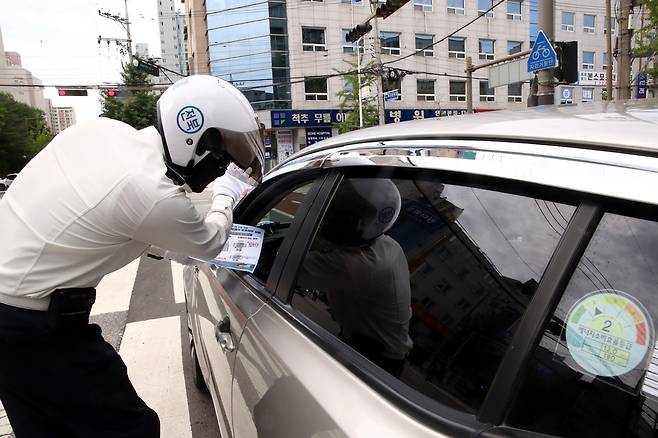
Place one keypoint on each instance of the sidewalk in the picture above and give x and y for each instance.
(5, 428)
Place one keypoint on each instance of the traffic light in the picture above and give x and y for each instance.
(146, 67)
(71, 92)
(389, 7)
(567, 57)
(112, 92)
(358, 31)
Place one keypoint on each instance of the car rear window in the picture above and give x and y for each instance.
(595, 371)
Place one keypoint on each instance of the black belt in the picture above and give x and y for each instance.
(70, 308)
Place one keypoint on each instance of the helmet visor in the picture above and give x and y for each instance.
(246, 149)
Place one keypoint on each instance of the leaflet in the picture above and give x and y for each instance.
(241, 250)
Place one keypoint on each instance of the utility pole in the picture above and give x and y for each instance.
(358, 76)
(608, 47)
(546, 22)
(126, 26)
(378, 65)
(624, 61)
(469, 84)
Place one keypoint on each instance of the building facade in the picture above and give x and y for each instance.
(195, 36)
(61, 117)
(287, 57)
(173, 49)
(19, 82)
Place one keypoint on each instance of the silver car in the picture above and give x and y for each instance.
(487, 275)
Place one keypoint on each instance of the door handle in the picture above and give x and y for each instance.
(223, 335)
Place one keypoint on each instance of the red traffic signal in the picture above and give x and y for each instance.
(71, 92)
(112, 92)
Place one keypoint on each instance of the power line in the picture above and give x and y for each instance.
(481, 14)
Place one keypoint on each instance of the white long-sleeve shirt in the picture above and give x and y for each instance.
(92, 201)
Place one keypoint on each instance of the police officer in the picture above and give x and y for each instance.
(92, 201)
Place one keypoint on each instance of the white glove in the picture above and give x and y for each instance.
(235, 183)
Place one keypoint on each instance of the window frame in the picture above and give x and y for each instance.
(389, 50)
(516, 98)
(515, 16)
(456, 10)
(589, 29)
(423, 7)
(314, 47)
(486, 97)
(568, 27)
(456, 53)
(453, 97)
(486, 55)
(587, 65)
(424, 52)
(316, 96)
(484, 12)
(424, 97)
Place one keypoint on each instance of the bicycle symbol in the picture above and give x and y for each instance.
(541, 51)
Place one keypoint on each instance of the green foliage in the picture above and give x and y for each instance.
(349, 99)
(23, 133)
(646, 39)
(138, 108)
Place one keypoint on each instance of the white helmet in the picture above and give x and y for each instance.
(362, 210)
(205, 123)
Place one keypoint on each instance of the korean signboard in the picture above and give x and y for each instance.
(305, 118)
(314, 135)
(641, 92)
(402, 115)
(597, 78)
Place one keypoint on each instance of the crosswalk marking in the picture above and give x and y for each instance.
(115, 289)
(155, 366)
(177, 277)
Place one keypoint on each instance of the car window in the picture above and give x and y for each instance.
(276, 223)
(435, 299)
(588, 376)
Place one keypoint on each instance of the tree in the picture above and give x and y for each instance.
(23, 133)
(135, 106)
(349, 99)
(646, 38)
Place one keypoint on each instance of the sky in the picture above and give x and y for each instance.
(58, 42)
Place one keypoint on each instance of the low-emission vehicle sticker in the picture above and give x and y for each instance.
(608, 332)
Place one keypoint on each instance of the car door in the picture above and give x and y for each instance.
(224, 300)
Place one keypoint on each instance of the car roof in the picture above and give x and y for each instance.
(622, 126)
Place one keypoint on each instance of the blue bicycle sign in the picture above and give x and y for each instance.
(543, 55)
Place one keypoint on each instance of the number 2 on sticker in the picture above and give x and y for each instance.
(606, 327)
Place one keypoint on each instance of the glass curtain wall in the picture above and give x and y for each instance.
(248, 46)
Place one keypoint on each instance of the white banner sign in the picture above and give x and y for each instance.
(596, 78)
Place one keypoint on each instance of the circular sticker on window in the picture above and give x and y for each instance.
(608, 332)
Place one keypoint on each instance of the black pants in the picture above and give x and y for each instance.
(71, 385)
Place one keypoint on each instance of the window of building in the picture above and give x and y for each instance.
(514, 47)
(588, 94)
(390, 42)
(423, 41)
(349, 47)
(604, 61)
(456, 7)
(487, 49)
(589, 23)
(487, 94)
(423, 5)
(425, 90)
(313, 39)
(456, 47)
(515, 92)
(457, 91)
(354, 2)
(566, 95)
(514, 10)
(595, 363)
(568, 20)
(484, 6)
(456, 270)
(613, 25)
(393, 84)
(588, 60)
(315, 89)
